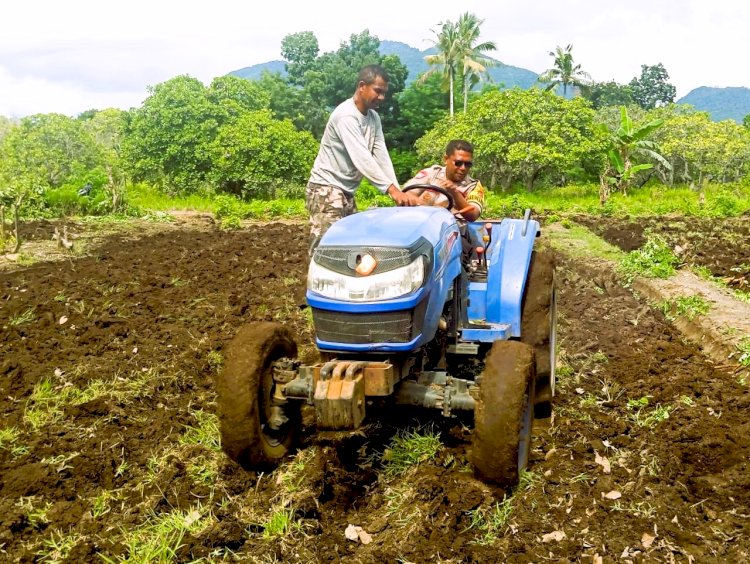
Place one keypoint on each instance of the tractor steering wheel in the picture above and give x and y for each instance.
(439, 189)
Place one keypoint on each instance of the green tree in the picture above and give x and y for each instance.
(519, 135)
(746, 121)
(626, 144)
(294, 103)
(233, 96)
(564, 71)
(253, 155)
(652, 90)
(699, 149)
(420, 105)
(603, 94)
(6, 124)
(300, 50)
(107, 129)
(472, 54)
(168, 135)
(42, 152)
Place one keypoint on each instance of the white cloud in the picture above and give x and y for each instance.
(71, 56)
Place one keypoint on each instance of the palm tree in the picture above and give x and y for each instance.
(446, 59)
(564, 72)
(475, 61)
(458, 56)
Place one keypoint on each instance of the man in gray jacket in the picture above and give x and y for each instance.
(352, 148)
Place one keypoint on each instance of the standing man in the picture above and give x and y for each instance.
(352, 147)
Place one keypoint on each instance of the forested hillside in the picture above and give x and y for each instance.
(721, 103)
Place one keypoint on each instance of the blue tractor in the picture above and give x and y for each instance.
(402, 312)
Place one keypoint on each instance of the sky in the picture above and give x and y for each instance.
(68, 57)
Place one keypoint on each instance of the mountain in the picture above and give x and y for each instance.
(502, 75)
(721, 103)
(254, 72)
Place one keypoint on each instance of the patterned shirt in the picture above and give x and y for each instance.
(470, 187)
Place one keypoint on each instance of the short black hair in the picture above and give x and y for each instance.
(458, 145)
(369, 73)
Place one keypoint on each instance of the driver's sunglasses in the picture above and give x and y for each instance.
(467, 164)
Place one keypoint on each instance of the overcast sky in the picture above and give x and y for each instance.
(71, 56)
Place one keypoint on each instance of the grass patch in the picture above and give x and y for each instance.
(653, 260)
(9, 441)
(410, 448)
(205, 434)
(643, 417)
(159, 539)
(491, 522)
(57, 547)
(744, 349)
(27, 316)
(691, 307)
(280, 524)
(579, 242)
(49, 398)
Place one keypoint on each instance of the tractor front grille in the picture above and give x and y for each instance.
(363, 328)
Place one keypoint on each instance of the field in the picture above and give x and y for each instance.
(109, 449)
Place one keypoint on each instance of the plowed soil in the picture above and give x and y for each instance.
(107, 364)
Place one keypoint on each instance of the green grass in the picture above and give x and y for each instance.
(744, 349)
(653, 260)
(9, 441)
(205, 433)
(691, 307)
(160, 537)
(579, 242)
(27, 316)
(490, 522)
(643, 417)
(410, 448)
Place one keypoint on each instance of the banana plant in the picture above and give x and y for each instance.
(626, 144)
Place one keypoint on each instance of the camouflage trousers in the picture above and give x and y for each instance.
(326, 205)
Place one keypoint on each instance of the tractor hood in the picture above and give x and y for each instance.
(390, 227)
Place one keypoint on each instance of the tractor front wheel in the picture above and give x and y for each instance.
(504, 413)
(256, 430)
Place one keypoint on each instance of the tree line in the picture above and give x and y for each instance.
(258, 138)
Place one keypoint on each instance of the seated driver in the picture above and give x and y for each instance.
(467, 192)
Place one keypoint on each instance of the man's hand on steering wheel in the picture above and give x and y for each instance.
(402, 197)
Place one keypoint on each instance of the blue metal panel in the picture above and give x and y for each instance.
(496, 332)
(389, 227)
(509, 259)
(477, 301)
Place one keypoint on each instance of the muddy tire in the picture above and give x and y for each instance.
(504, 413)
(539, 327)
(244, 387)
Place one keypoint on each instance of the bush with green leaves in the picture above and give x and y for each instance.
(654, 259)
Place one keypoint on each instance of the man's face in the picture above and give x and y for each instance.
(373, 94)
(458, 172)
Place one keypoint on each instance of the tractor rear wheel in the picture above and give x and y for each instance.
(255, 432)
(504, 413)
(539, 327)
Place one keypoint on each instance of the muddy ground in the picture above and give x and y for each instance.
(106, 378)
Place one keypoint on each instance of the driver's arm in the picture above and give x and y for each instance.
(470, 211)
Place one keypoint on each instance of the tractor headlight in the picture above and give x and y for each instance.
(384, 286)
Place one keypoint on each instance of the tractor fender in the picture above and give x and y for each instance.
(510, 257)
